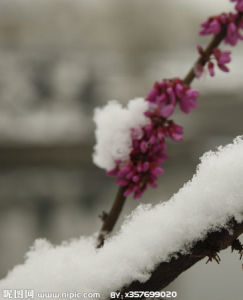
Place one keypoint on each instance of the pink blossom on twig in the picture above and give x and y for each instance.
(214, 25)
(149, 144)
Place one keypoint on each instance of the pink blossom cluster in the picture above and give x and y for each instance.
(143, 167)
(149, 144)
(214, 25)
(232, 24)
(167, 94)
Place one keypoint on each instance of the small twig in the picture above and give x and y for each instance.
(203, 59)
(111, 218)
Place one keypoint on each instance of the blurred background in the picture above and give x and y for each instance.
(61, 58)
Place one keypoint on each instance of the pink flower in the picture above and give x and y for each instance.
(167, 94)
(167, 110)
(198, 71)
(188, 100)
(211, 68)
(211, 26)
(173, 131)
(238, 5)
(214, 25)
(233, 34)
(222, 58)
(143, 167)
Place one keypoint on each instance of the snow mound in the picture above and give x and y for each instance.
(152, 234)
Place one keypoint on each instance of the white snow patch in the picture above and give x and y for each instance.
(149, 236)
(113, 130)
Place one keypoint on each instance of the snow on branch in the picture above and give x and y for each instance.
(155, 244)
(166, 272)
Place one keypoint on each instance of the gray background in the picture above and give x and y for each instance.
(61, 58)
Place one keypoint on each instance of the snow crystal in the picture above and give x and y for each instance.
(113, 131)
(152, 234)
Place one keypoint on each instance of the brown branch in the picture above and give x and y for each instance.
(166, 272)
(203, 59)
(109, 220)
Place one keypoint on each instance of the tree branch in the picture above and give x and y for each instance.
(166, 272)
(109, 220)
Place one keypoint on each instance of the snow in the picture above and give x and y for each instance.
(151, 234)
(113, 130)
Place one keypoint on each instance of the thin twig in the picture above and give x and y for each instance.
(110, 219)
(203, 59)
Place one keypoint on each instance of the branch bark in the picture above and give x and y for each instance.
(166, 272)
(109, 220)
